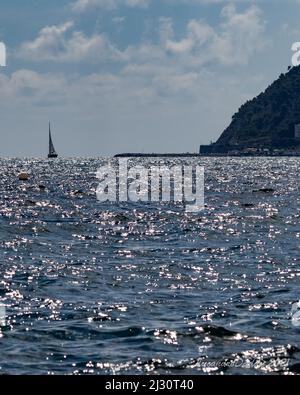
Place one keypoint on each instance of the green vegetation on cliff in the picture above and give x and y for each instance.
(269, 120)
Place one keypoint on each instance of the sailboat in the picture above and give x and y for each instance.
(52, 152)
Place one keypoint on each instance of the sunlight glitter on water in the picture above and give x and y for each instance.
(96, 288)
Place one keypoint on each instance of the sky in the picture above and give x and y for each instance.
(117, 76)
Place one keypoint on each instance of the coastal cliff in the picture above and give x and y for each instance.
(265, 123)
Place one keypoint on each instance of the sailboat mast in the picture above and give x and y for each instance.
(52, 152)
(49, 138)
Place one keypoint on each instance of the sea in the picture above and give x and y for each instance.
(91, 288)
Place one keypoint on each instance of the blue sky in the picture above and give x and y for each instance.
(135, 75)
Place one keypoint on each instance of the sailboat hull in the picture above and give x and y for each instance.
(54, 156)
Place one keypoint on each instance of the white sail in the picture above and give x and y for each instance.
(52, 152)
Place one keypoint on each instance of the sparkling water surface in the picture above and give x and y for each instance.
(146, 288)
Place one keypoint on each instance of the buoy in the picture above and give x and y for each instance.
(23, 176)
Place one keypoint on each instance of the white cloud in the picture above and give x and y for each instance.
(238, 37)
(83, 5)
(60, 43)
(234, 41)
(242, 35)
(165, 68)
(198, 33)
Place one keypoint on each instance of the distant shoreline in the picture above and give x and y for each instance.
(157, 155)
(191, 155)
